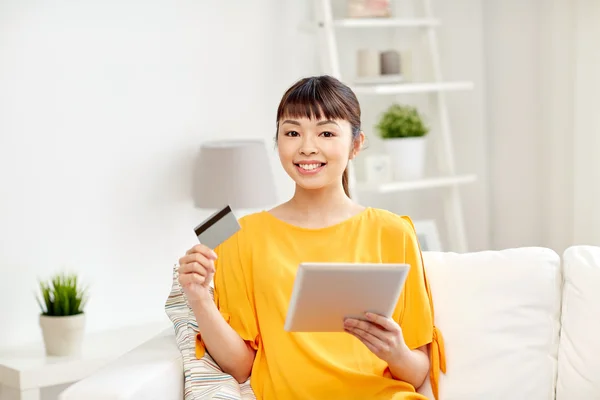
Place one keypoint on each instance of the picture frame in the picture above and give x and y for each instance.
(378, 168)
(428, 235)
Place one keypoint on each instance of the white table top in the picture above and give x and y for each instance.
(28, 367)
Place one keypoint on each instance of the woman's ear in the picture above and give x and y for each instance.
(357, 144)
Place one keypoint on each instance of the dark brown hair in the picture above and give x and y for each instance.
(319, 97)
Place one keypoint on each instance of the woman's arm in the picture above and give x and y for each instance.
(224, 344)
(411, 367)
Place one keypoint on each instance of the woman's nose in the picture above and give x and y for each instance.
(307, 147)
(308, 151)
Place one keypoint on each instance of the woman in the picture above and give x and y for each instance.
(318, 132)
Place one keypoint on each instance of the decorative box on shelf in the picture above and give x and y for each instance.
(369, 9)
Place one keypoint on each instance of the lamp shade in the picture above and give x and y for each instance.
(234, 172)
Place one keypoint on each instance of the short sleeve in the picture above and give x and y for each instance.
(417, 316)
(233, 291)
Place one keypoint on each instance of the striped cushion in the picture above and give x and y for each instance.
(203, 379)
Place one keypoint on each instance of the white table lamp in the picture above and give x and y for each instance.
(234, 172)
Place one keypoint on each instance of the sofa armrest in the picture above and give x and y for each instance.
(153, 370)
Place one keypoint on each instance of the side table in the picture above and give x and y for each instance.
(27, 369)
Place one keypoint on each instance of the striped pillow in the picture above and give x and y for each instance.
(203, 379)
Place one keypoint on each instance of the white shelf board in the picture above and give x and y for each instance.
(394, 79)
(385, 22)
(427, 183)
(420, 87)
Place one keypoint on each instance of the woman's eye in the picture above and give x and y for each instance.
(292, 133)
(327, 134)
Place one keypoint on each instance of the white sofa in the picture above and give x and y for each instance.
(518, 324)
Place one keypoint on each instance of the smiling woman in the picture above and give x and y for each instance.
(376, 358)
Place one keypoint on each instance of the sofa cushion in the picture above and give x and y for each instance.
(498, 312)
(203, 378)
(579, 351)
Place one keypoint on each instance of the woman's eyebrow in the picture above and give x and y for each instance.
(292, 122)
(327, 122)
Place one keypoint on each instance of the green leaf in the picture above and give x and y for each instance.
(401, 121)
(62, 295)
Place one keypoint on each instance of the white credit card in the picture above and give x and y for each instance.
(217, 228)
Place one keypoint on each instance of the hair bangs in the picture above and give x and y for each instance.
(314, 99)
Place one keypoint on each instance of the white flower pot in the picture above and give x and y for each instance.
(63, 336)
(407, 157)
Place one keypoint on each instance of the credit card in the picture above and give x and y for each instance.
(217, 228)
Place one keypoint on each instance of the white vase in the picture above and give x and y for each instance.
(63, 336)
(407, 157)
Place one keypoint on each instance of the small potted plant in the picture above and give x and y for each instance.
(403, 132)
(62, 318)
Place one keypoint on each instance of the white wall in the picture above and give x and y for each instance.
(512, 41)
(542, 61)
(557, 66)
(586, 143)
(102, 108)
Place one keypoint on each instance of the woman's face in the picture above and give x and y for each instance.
(315, 153)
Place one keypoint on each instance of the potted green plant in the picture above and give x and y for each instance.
(62, 318)
(403, 131)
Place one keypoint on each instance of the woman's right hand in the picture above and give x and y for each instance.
(196, 271)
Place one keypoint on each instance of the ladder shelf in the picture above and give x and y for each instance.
(448, 179)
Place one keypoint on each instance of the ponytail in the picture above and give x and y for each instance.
(345, 182)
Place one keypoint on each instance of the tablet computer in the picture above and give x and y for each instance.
(324, 294)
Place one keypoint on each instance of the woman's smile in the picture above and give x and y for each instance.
(310, 167)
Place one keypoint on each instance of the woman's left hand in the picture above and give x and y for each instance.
(382, 335)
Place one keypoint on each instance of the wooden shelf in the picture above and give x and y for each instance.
(428, 183)
(385, 22)
(420, 87)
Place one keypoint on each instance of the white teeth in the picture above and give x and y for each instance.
(309, 167)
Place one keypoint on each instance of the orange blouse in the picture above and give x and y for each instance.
(254, 277)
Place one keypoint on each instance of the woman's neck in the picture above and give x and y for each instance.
(324, 199)
(317, 208)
